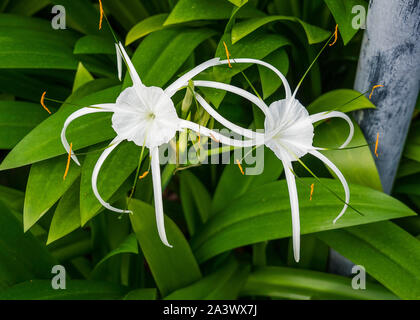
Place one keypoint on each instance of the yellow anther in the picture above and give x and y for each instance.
(335, 36)
(240, 167)
(373, 88)
(227, 54)
(144, 175)
(312, 192)
(68, 163)
(376, 145)
(43, 103)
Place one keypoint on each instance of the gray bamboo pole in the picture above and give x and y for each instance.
(390, 56)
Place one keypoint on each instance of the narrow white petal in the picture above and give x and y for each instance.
(340, 176)
(267, 65)
(335, 114)
(157, 191)
(183, 80)
(119, 61)
(75, 115)
(240, 92)
(95, 174)
(235, 128)
(133, 73)
(184, 124)
(294, 205)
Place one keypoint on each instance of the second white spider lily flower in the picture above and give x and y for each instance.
(289, 132)
(147, 117)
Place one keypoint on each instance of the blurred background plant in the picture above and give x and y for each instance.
(231, 233)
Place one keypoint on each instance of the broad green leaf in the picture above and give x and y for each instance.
(94, 45)
(263, 213)
(408, 167)
(45, 186)
(223, 284)
(115, 170)
(129, 245)
(67, 214)
(82, 77)
(143, 28)
(342, 12)
(192, 10)
(44, 141)
(162, 53)
(82, 16)
(126, 12)
(412, 146)
(75, 290)
(288, 283)
(22, 22)
(238, 3)
(172, 268)
(233, 184)
(270, 82)
(20, 49)
(313, 33)
(387, 252)
(195, 200)
(344, 100)
(22, 256)
(141, 294)
(12, 198)
(26, 7)
(16, 120)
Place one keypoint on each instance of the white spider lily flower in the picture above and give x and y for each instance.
(146, 116)
(289, 132)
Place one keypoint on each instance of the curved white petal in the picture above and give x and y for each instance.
(240, 92)
(340, 176)
(335, 114)
(77, 114)
(235, 128)
(183, 81)
(294, 205)
(157, 191)
(133, 73)
(114, 143)
(119, 61)
(184, 124)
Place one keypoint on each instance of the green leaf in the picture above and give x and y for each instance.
(223, 284)
(67, 215)
(115, 170)
(126, 12)
(162, 53)
(146, 26)
(82, 77)
(192, 10)
(384, 250)
(263, 213)
(341, 10)
(288, 283)
(238, 3)
(94, 45)
(16, 120)
(344, 100)
(26, 7)
(141, 294)
(233, 184)
(412, 146)
(129, 245)
(45, 186)
(44, 141)
(270, 82)
(12, 198)
(75, 290)
(172, 268)
(313, 33)
(22, 256)
(195, 200)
